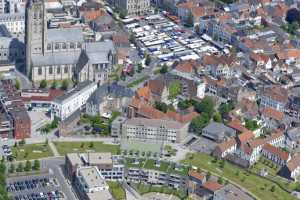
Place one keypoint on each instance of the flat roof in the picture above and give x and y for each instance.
(91, 177)
(92, 158)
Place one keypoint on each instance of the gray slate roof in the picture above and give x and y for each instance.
(65, 35)
(55, 58)
(113, 90)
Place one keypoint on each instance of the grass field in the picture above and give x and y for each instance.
(255, 184)
(64, 148)
(116, 190)
(137, 81)
(31, 151)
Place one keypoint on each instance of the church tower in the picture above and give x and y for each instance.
(36, 31)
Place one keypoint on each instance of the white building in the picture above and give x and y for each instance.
(15, 23)
(111, 167)
(91, 185)
(64, 106)
(133, 7)
(155, 130)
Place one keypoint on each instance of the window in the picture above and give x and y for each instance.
(72, 45)
(64, 46)
(39, 71)
(78, 45)
(56, 46)
(50, 70)
(58, 70)
(66, 69)
(48, 46)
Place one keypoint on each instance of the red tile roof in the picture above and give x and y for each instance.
(237, 125)
(226, 145)
(196, 175)
(212, 186)
(294, 163)
(246, 136)
(276, 151)
(272, 113)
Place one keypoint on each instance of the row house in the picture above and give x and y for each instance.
(275, 97)
(246, 148)
(292, 169)
(195, 181)
(173, 178)
(219, 66)
(275, 154)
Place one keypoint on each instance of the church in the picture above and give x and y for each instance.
(58, 54)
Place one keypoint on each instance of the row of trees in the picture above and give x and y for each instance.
(27, 167)
(64, 85)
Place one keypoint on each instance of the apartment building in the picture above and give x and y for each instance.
(15, 23)
(133, 7)
(157, 172)
(64, 106)
(91, 185)
(154, 130)
(13, 112)
(111, 167)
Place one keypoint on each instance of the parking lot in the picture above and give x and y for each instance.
(51, 185)
(41, 187)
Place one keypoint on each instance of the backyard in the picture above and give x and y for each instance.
(64, 148)
(260, 187)
(31, 151)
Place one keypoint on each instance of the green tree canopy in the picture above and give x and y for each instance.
(205, 106)
(43, 84)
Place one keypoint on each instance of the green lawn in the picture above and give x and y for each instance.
(272, 173)
(257, 185)
(137, 81)
(116, 190)
(31, 151)
(64, 148)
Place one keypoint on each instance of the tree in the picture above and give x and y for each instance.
(163, 69)
(43, 84)
(225, 108)
(20, 167)
(199, 123)
(251, 124)
(148, 60)
(184, 104)
(36, 165)
(54, 84)
(22, 142)
(205, 106)
(91, 145)
(18, 84)
(293, 15)
(174, 89)
(139, 68)
(190, 20)
(12, 168)
(221, 180)
(217, 117)
(273, 188)
(65, 84)
(161, 106)
(208, 175)
(122, 13)
(28, 166)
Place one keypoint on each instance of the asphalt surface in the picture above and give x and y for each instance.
(54, 169)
